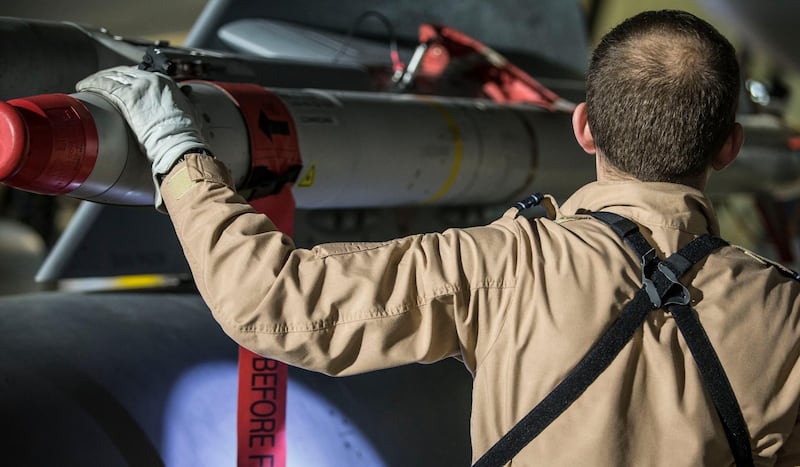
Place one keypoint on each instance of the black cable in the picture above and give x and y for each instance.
(394, 55)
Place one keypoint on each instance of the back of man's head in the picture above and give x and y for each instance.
(661, 95)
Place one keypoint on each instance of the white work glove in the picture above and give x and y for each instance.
(158, 113)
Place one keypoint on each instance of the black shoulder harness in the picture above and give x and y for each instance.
(661, 288)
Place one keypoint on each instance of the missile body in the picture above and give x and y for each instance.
(357, 149)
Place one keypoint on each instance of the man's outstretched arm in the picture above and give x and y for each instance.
(339, 308)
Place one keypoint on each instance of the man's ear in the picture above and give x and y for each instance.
(730, 149)
(580, 127)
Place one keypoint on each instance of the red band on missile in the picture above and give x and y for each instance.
(51, 145)
(274, 147)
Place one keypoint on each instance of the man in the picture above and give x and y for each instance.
(522, 301)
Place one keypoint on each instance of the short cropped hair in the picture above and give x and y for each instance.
(662, 94)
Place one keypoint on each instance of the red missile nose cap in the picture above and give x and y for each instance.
(48, 143)
(13, 139)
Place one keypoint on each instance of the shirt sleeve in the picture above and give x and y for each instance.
(339, 308)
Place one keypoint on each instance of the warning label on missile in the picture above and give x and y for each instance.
(308, 178)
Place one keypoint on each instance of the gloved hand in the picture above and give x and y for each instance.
(160, 115)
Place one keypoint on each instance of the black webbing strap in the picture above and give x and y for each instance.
(628, 231)
(570, 388)
(715, 382)
(676, 300)
(660, 283)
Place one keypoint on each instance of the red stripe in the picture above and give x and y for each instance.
(261, 423)
(262, 411)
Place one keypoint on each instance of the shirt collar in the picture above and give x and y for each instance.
(667, 205)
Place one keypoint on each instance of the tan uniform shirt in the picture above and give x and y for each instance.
(520, 301)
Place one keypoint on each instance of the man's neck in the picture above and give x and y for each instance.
(608, 173)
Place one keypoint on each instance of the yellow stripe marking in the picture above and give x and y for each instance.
(458, 150)
(138, 281)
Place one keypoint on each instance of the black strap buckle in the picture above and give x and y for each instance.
(666, 289)
(660, 281)
(677, 293)
(650, 262)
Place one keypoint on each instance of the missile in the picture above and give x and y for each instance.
(357, 149)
